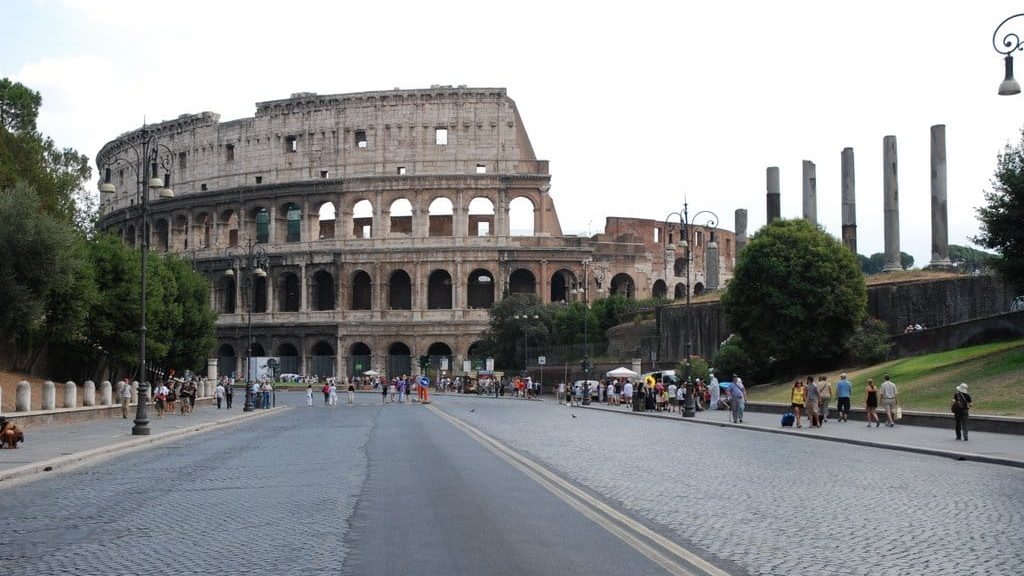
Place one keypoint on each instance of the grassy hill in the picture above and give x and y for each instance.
(994, 373)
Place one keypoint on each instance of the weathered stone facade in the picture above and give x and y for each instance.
(385, 217)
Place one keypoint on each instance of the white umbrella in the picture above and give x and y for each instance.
(371, 373)
(621, 372)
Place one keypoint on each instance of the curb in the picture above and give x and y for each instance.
(954, 455)
(85, 456)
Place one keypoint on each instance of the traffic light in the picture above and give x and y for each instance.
(424, 361)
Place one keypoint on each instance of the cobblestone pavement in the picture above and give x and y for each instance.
(776, 504)
(178, 509)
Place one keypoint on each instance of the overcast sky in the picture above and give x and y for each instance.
(637, 105)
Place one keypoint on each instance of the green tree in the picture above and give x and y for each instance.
(194, 335)
(968, 259)
(1003, 213)
(796, 296)
(504, 338)
(112, 337)
(875, 263)
(19, 107)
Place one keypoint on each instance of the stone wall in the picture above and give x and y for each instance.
(1006, 326)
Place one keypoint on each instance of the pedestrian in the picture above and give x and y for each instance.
(383, 393)
(332, 392)
(218, 393)
(351, 393)
(811, 402)
(824, 397)
(961, 407)
(309, 394)
(680, 398)
(797, 398)
(737, 398)
(160, 399)
(229, 392)
(170, 397)
(561, 392)
(843, 392)
(716, 392)
(890, 400)
(124, 393)
(673, 401)
(267, 389)
(627, 393)
(327, 394)
(871, 402)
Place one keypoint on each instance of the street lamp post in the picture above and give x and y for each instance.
(581, 291)
(1009, 44)
(147, 151)
(526, 318)
(686, 224)
(256, 263)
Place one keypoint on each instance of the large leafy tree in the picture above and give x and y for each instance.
(194, 333)
(1001, 217)
(797, 295)
(504, 339)
(873, 264)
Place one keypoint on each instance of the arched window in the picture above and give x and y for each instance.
(226, 294)
(323, 290)
(322, 360)
(401, 216)
(679, 267)
(439, 290)
(399, 359)
(328, 214)
(562, 282)
(289, 290)
(522, 281)
(362, 295)
(481, 217)
(680, 292)
(362, 219)
(294, 223)
(227, 362)
(229, 228)
(400, 291)
(480, 289)
(259, 294)
(359, 359)
(660, 289)
(289, 359)
(622, 284)
(441, 215)
(520, 217)
(262, 225)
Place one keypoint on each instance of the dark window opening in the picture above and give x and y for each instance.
(324, 174)
(401, 170)
(400, 291)
(229, 152)
(361, 139)
(106, 176)
(263, 226)
(291, 144)
(202, 187)
(259, 179)
(294, 217)
(361, 294)
(182, 160)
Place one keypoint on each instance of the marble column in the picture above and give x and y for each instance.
(891, 206)
(849, 189)
(741, 231)
(940, 222)
(774, 206)
(711, 263)
(810, 188)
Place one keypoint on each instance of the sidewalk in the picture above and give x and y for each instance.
(47, 448)
(990, 447)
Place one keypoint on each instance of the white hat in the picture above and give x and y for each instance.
(962, 388)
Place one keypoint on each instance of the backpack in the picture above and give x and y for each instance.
(959, 403)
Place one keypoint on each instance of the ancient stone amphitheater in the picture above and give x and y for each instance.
(359, 231)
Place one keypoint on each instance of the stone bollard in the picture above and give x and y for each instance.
(106, 394)
(23, 397)
(89, 393)
(70, 394)
(49, 395)
(135, 391)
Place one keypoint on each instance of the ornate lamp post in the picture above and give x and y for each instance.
(149, 157)
(526, 319)
(686, 225)
(580, 290)
(256, 264)
(1010, 43)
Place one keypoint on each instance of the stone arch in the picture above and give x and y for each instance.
(360, 358)
(400, 213)
(439, 290)
(399, 359)
(289, 358)
(481, 217)
(362, 219)
(680, 291)
(562, 283)
(522, 281)
(259, 294)
(321, 356)
(441, 217)
(257, 350)
(290, 226)
(227, 362)
(290, 299)
(521, 216)
(437, 351)
(660, 289)
(179, 234)
(202, 230)
(362, 291)
(622, 284)
(476, 353)
(229, 228)
(679, 268)
(225, 294)
(698, 288)
(400, 290)
(480, 289)
(162, 232)
(260, 217)
(322, 290)
(327, 216)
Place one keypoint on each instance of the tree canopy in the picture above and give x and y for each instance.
(796, 296)
(1001, 217)
(873, 264)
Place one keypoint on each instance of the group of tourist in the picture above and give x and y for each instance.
(814, 398)
(180, 393)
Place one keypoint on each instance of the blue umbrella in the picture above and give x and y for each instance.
(724, 384)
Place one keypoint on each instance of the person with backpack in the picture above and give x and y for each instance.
(961, 407)
(327, 394)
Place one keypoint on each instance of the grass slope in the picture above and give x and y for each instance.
(994, 373)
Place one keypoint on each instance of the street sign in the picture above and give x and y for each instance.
(490, 364)
(424, 381)
(542, 360)
(444, 363)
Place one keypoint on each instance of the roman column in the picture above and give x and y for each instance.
(849, 201)
(891, 206)
(940, 222)
(774, 209)
(810, 186)
(741, 231)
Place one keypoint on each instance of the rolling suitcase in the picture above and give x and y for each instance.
(787, 419)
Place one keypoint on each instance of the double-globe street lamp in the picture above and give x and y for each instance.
(1009, 44)
(580, 291)
(526, 320)
(686, 225)
(149, 157)
(256, 264)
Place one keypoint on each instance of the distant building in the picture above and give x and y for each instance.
(386, 220)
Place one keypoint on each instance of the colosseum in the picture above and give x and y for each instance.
(357, 231)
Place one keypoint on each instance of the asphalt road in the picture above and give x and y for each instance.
(482, 486)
